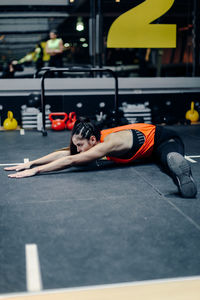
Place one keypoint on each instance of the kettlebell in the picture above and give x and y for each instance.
(71, 121)
(58, 124)
(192, 114)
(10, 123)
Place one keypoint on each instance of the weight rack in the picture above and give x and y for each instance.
(83, 70)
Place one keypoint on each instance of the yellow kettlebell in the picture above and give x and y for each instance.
(10, 123)
(192, 114)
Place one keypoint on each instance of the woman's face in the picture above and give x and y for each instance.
(52, 35)
(82, 144)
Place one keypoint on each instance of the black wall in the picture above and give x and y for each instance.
(165, 107)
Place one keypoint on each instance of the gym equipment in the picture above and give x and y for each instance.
(137, 113)
(1, 108)
(34, 100)
(91, 71)
(58, 124)
(192, 114)
(71, 121)
(32, 117)
(104, 121)
(10, 123)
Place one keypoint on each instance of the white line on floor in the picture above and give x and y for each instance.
(33, 274)
(12, 164)
(190, 159)
(194, 156)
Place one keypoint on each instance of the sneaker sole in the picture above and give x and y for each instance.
(182, 172)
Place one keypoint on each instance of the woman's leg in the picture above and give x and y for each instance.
(170, 156)
(174, 144)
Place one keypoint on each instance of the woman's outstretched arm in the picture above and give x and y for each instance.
(40, 161)
(112, 144)
(96, 152)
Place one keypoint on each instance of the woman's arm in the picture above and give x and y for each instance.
(61, 48)
(98, 151)
(112, 144)
(40, 161)
(49, 50)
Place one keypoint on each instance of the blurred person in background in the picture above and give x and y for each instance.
(38, 58)
(10, 68)
(55, 48)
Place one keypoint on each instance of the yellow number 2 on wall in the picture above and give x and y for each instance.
(133, 29)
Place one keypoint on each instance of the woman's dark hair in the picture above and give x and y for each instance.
(85, 129)
(54, 31)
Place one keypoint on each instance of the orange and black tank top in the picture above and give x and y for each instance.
(148, 130)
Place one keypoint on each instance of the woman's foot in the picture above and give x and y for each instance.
(181, 174)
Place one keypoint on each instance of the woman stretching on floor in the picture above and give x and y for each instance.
(123, 145)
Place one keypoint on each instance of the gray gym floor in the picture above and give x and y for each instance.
(95, 226)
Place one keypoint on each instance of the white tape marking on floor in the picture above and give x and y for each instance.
(22, 131)
(194, 156)
(33, 274)
(13, 164)
(189, 159)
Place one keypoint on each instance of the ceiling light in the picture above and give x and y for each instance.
(79, 25)
(82, 39)
(84, 45)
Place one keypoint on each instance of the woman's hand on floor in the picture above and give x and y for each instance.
(17, 168)
(26, 173)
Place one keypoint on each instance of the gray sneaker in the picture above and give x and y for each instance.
(182, 175)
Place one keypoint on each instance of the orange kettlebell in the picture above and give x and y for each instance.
(58, 124)
(71, 121)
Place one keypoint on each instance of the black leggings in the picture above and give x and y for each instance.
(56, 61)
(166, 141)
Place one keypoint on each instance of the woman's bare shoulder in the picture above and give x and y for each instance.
(121, 140)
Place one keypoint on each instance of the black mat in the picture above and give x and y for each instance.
(111, 225)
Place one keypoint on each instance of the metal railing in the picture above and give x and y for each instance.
(83, 70)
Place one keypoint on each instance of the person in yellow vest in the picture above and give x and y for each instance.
(122, 145)
(54, 47)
